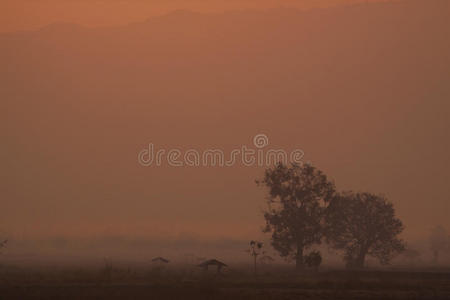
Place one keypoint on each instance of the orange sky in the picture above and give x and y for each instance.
(32, 14)
(362, 90)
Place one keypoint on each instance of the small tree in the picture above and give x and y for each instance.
(298, 195)
(255, 250)
(3, 244)
(438, 241)
(363, 225)
(313, 260)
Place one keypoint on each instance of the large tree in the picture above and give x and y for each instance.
(362, 225)
(298, 195)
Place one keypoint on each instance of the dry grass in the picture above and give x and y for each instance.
(109, 282)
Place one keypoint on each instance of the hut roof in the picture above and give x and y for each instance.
(161, 259)
(213, 262)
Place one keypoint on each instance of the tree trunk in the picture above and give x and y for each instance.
(359, 263)
(299, 264)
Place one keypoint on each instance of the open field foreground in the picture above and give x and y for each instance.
(138, 284)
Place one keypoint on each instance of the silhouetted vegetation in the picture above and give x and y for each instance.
(297, 199)
(304, 207)
(3, 243)
(363, 224)
(255, 251)
(313, 260)
(439, 242)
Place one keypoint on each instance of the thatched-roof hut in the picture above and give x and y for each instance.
(160, 259)
(212, 262)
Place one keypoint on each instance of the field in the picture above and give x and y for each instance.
(135, 283)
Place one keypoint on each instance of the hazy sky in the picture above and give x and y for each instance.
(362, 90)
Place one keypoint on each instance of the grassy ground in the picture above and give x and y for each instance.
(110, 283)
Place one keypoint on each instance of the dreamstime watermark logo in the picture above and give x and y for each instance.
(247, 156)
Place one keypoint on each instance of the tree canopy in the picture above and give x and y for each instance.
(363, 224)
(298, 195)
